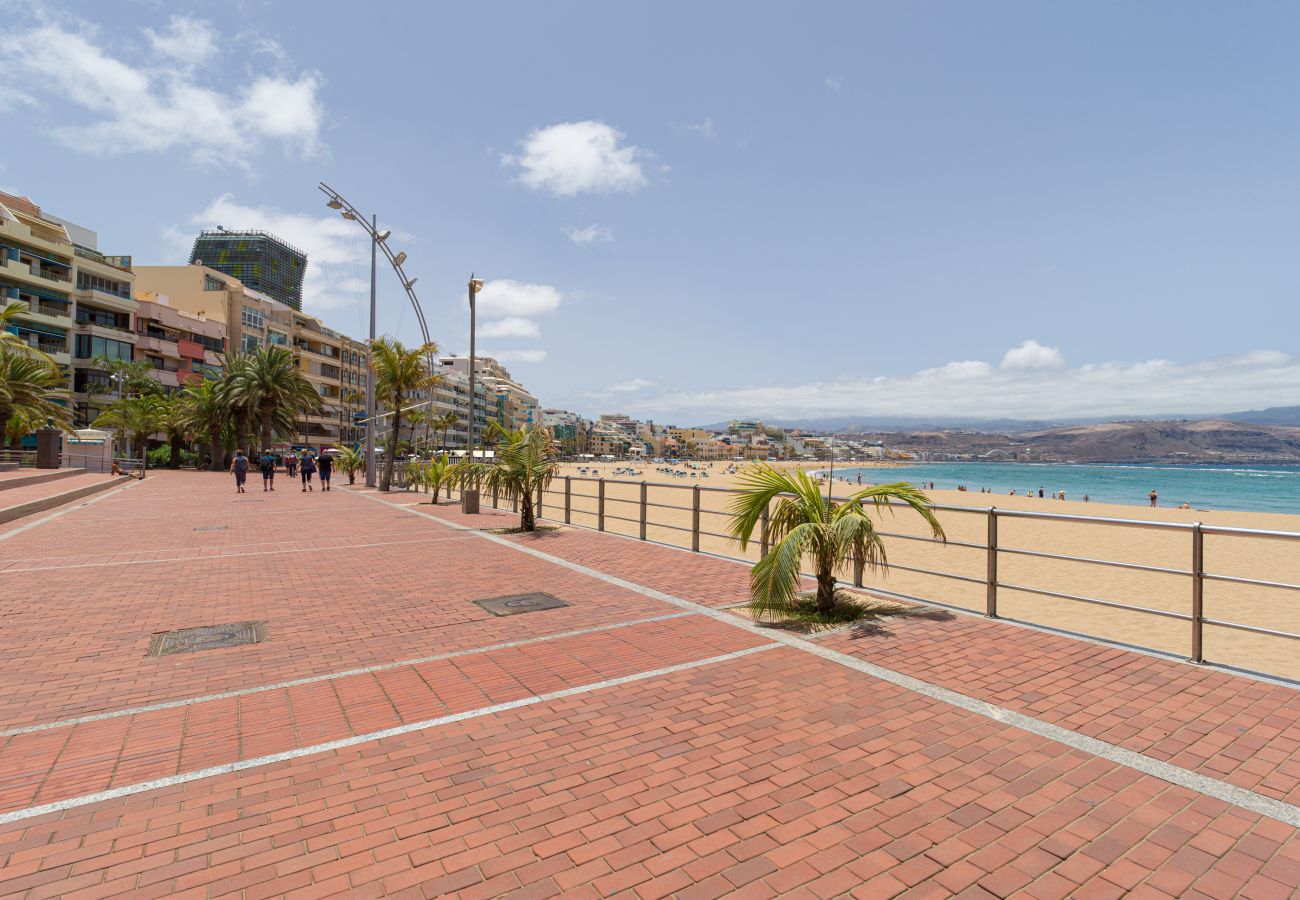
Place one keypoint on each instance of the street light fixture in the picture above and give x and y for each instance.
(468, 496)
(377, 242)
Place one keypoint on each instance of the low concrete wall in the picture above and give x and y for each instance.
(8, 514)
(37, 478)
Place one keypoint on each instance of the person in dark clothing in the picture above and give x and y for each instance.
(325, 465)
(239, 465)
(307, 466)
(267, 465)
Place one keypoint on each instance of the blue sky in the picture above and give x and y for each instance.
(688, 211)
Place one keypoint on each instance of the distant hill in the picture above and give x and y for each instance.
(1274, 415)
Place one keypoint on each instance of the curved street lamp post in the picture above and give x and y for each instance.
(378, 240)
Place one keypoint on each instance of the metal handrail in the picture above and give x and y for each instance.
(563, 506)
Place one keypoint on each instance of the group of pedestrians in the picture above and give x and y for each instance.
(305, 466)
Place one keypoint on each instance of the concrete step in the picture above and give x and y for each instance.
(42, 501)
(23, 477)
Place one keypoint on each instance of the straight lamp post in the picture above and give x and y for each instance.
(469, 495)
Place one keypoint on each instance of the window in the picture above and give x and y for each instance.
(90, 346)
(213, 284)
(250, 343)
(253, 318)
(88, 282)
(277, 338)
(101, 317)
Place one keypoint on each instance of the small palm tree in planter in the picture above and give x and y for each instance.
(349, 462)
(803, 522)
(526, 461)
(435, 474)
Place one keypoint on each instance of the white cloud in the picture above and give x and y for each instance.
(523, 356)
(332, 246)
(703, 129)
(190, 41)
(578, 157)
(975, 389)
(504, 297)
(155, 103)
(510, 327)
(1033, 355)
(835, 84)
(592, 234)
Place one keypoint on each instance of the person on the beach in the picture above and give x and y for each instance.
(1040, 491)
(324, 466)
(307, 466)
(267, 465)
(1085, 498)
(1153, 496)
(239, 466)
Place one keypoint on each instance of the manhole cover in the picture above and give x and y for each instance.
(212, 528)
(206, 637)
(520, 603)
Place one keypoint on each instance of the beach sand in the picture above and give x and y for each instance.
(1253, 557)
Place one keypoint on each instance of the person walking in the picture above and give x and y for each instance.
(239, 466)
(307, 466)
(325, 465)
(291, 464)
(267, 465)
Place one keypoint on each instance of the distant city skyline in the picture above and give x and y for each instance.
(697, 212)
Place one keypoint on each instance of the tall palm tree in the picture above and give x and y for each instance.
(31, 388)
(11, 342)
(804, 522)
(203, 405)
(274, 391)
(414, 419)
(398, 371)
(176, 424)
(446, 422)
(526, 461)
(237, 403)
(140, 417)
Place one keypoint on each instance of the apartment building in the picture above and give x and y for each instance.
(355, 366)
(178, 344)
(510, 403)
(318, 353)
(80, 301)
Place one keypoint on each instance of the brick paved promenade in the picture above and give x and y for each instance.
(389, 737)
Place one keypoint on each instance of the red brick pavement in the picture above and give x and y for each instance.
(12, 497)
(772, 773)
(768, 775)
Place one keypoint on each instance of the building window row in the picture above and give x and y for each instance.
(90, 346)
(253, 318)
(89, 282)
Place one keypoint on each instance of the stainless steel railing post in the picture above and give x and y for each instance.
(695, 518)
(1198, 591)
(991, 578)
(568, 500)
(643, 509)
(600, 505)
(762, 531)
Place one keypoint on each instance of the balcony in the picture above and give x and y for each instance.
(158, 345)
(190, 349)
(107, 300)
(166, 378)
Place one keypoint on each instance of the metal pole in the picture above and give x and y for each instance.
(370, 374)
(991, 578)
(762, 531)
(600, 505)
(643, 509)
(1198, 591)
(695, 518)
(472, 399)
(568, 500)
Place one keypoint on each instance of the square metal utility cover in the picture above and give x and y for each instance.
(212, 528)
(515, 604)
(206, 637)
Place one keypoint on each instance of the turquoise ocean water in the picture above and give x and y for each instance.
(1260, 488)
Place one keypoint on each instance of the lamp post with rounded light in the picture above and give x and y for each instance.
(469, 496)
(378, 240)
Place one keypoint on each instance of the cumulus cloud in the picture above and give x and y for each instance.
(577, 158)
(976, 389)
(703, 129)
(504, 297)
(510, 327)
(191, 41)
(331, 244)
(523, 356)
(592, 234)
(109, 102)
(835, 84)
(1033, 355)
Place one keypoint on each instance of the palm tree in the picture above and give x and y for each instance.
(437, 473)
(804, 522)
(399, 371)
(446, 422)
(10, 342)
(414, 419)
(30, 389)
(176, 424)
(237, 403)
(274, 391)
(349, 462)
(526, 460)
(203, 406)
(140, 417)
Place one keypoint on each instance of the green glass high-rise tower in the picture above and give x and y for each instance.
(260, 260)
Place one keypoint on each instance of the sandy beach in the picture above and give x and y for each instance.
(669, 501)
